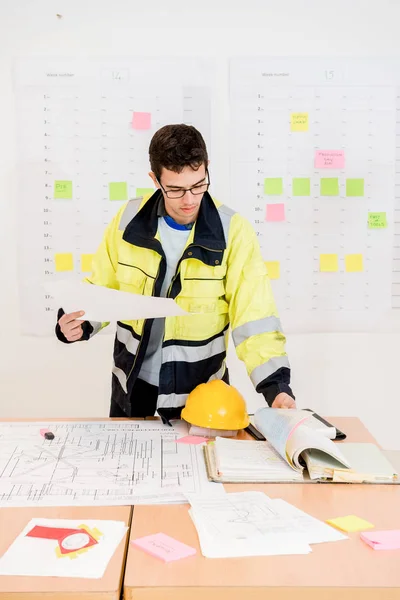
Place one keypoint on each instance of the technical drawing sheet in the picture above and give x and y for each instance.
(315, 157)
(84, 128)
(99, 463)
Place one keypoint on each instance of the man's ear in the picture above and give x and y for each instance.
(154, 178)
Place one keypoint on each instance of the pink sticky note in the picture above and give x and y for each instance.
(141, 120)
(329, 159)
(192, 439)
(163, 546)
(43, 431)
(382, 540)
(275, 212)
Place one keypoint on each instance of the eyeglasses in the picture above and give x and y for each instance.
(196, 190)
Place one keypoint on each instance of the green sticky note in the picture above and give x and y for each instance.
(354, 187)
(118, 190)
(63, 190)
(273, 186)
(377, 220)
(329, 186)
(301, 186)
(144, 192)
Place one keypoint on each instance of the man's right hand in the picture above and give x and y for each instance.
(71, 326)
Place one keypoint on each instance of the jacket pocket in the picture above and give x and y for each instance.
(203, 288)
(133, 279)
(204, 296)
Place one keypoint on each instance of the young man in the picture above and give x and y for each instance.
(180, 243)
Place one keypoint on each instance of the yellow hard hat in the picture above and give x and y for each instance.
(216, 405)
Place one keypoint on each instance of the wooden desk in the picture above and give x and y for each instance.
(12, 522)
(344, 570)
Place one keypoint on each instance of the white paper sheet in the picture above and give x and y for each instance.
(99, 463)
(104, 304)
(350, 105)
(314, 530)
(258, 460)
(38, 557)
(244, 524)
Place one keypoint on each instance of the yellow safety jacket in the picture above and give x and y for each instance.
(220, 280)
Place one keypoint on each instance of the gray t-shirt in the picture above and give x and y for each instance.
(173, 242)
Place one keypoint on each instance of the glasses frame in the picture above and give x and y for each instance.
(186, 189)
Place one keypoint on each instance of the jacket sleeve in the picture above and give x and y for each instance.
(256, 328)
(104, 267)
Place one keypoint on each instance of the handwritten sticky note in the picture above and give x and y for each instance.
(86, 263)
(301, 186)
(350, 523)
(275, 212)
(192, 439)
(353, 263)
(329, 186)
(329, 159)
(377, 220)
(164, 547)
(382, 540)
(273, 269)
(118, 190)
(273, 186)
(354, 187)
(63, 190)
(64, 262)
(144, 192)
(328, 263)
(299, 122)
(141, 120)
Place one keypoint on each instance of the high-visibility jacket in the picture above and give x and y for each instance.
(220, 280)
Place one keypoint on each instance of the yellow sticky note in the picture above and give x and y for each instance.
(299, 122)
(354, 263)
(273, 268)
(86, 263)
(64, 262)
(328, 263)
(350, 523)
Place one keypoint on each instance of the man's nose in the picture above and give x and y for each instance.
(187, 197)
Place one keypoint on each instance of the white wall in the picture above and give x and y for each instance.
(335, 374)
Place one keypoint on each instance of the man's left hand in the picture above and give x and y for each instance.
(283, 400)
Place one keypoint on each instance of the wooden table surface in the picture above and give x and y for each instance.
(345, 569)
(13, 521)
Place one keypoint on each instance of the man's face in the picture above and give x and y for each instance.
(186, 208)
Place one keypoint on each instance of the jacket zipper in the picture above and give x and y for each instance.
(144, 324)
(167, 296)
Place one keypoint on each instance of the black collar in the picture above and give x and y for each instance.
(208, 230)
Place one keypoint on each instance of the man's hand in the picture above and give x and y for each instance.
(283, 400)
(71, 326)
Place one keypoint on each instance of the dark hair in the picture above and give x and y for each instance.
(176, 147)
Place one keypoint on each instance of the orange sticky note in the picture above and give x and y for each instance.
(275, 212)
(64, 261)
(328, 263)
(86, 263)
(273, 269)
(141, 120)
(353, 263)
(350, 523)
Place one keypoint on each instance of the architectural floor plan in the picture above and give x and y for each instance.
(98, 463)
